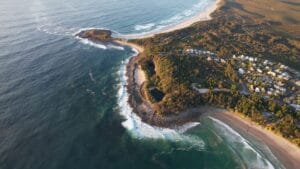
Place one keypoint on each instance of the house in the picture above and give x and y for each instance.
(282, 89)
(278, 71)
(241, 71)
(257, 90)
(286, 78)
(270, 63)
(269, 92)
(242, 57)
(283, 67)
(217, 60)
(251, 87)
(298, 83)
(276, 86)
(280, 83)
(296, 106)
(188, 50)
(285, 74)
(259, 70)
(271, 73)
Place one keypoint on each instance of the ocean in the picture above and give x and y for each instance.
(63, 101)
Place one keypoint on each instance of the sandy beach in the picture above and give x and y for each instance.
(140, 49)
(287, 153)
(202, 16)
(140, 76)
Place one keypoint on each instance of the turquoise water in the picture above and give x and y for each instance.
(63, 103)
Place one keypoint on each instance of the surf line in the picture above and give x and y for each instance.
(140, 130)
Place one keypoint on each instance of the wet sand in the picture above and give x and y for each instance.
(287, 153)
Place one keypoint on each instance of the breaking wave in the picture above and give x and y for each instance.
(203, 6)
(140, 130)
(88, 42)
(251, 157)
(110, 46)
(99, 45)
(200, 6)
(144, 27)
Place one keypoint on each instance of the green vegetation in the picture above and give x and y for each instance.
(230, 33)
(283, 120)
(173, 73)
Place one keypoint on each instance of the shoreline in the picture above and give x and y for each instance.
(140, 49)
(140, 105)
(143, 108)
(201, 16)
(286, 152)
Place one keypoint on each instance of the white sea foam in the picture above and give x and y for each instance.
(200, 6)
(99, 45)
(92, 76)
(250, 156)
(135, 51)
(110, 46)
(144, 27)
(141, 130)
(203, 6)
(187, 126)
(88, 42)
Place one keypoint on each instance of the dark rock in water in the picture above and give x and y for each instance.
(96, 35)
